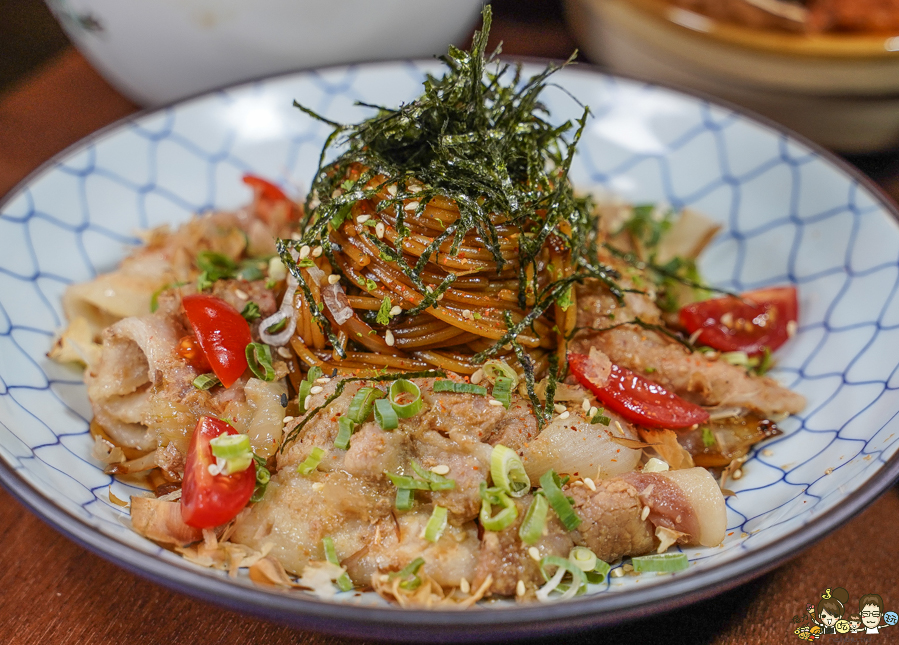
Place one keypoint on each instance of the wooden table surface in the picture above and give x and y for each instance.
(53, 591)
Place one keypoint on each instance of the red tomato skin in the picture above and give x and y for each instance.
(211, 500)
(223, 335)
(267, 190)
(775, 307)
(638, 399)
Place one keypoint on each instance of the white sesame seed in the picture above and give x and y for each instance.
(316, 389)
(727, 319)
(411, 206)
(283, 352)
(534, 553)
(464, 587)
(559, 408)
(791, 328)
(617, 573)
(307, 402)
(317, 251)
(333, 278)
(396, 310)
(287, 419)
(767, 452)
(440, 469)
(593, 411)
(429, 289)
(565, 415)
(576, 483)
(384, 577)
(589, 483)
(440, 297)
(362, 219)
(507, 346)
(317, 486)
(304, 251)
(645, 513)
(519, 588)
(324, 379)
(415, 189)
(466, 313)
(495, 403)
(388, 338)
(240, 293)
(478, 376)
(296, 237)
(391, 189)
(738, 473)
(586, 405)
(379, 230)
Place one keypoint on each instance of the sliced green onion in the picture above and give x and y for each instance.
(278, 326)
(600, 417)
(508, 472)
(409, 483)
(436, 524)
(577, 586)
(735, 358)
(259, 360)
(251, 312)
(363, 403)
(495, 368)
(661, 563)
(599, 573)
(584, 558)
(552, 488)
(230, 446)
(435, 481)
(405, 410)
(343, 581)
(345, 428)
(531, 529)
(303, 391)
(385, 415)
(311, 462)
(460, 388)
(206, 381)
(314, 373)
(491, 497)
(404, 499)
(263, 477)
(409, 575)
(502, 391)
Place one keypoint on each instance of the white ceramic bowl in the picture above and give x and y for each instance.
(841, 90)
(791, 213)
(158, 51)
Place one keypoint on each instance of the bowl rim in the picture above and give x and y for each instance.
(413, 625)
(834, 46)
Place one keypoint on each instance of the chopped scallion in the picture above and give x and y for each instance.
(251, 312)
(259, 360)
(496, 497)
(206, 381)
(661, 563)
(383, 317)
(508, 472)
(409, 575)
(531, 529)
(343, 581)
(385, 415)
(363, 403)
(345, 428)
(601, 418)
(404, 499)
(310, 464)
(436, 524)
(435, 481)
(302, 392)
(495, 368)
(460, 388)
(230, 446)
(584, 558)
(578, 578)
(409, 483)
(405, 410)
(552, 488)
(502, 391)
(263, 477)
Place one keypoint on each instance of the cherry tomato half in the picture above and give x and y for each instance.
(223, 335)
(266, 189)
(637, 399)
(209, 500)
(760, 319)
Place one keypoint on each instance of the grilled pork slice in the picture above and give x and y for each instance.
(689, 374)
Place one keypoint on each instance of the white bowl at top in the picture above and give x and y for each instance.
(841, 90)
(158, 51)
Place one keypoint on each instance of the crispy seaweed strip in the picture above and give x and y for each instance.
(381, 378)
